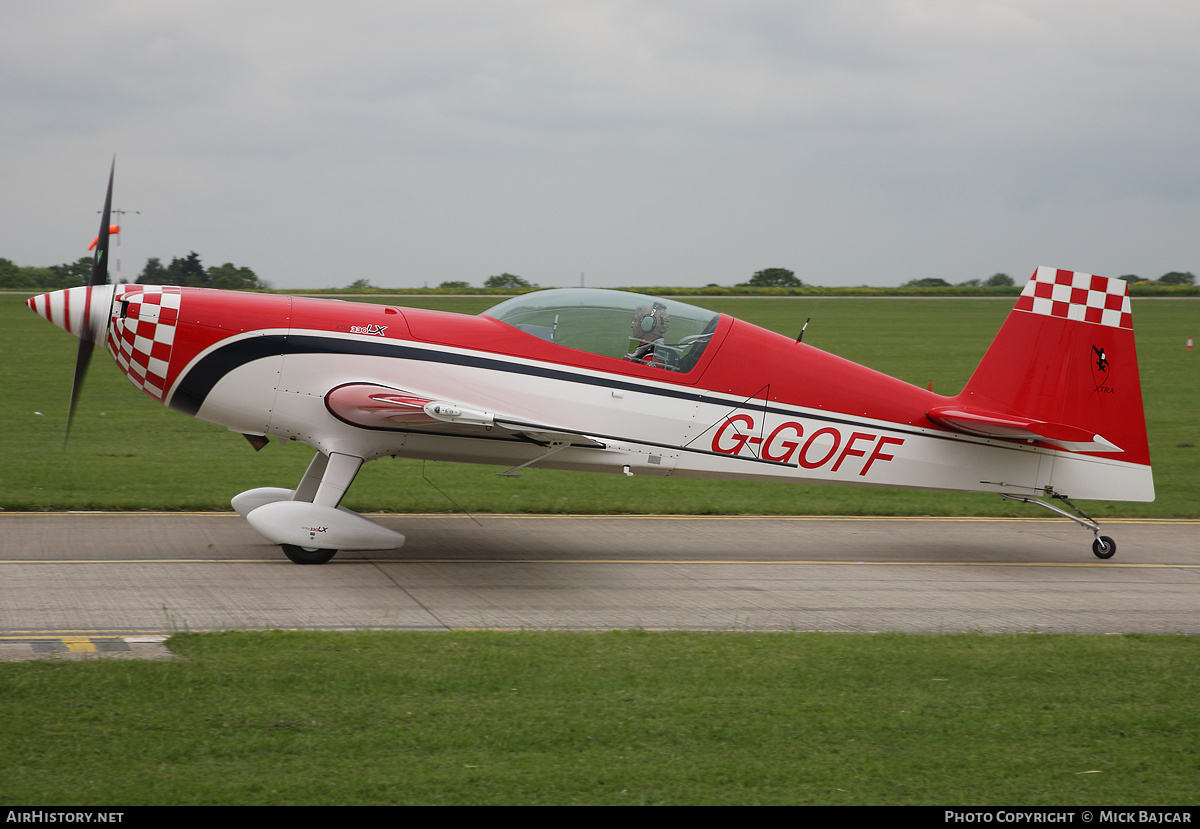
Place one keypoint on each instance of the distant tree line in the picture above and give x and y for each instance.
(189, 272)
(772, 278)
(1172, 278)
(1003, 279)
(784, 278)
(998, 280)
(182, 271)
(769, 278)
(71, 275)
(504, 281)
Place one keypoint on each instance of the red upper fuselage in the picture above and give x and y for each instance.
(742, 360)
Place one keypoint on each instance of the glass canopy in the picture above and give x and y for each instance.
(658, 332)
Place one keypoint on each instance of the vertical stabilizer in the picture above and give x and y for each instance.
(1062, 372)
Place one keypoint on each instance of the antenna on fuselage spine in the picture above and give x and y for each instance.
(804, 327)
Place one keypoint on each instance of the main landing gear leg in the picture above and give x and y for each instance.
(325, 482)
(311, 482)
(1102, 547)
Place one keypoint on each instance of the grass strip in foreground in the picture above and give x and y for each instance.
(610, 718)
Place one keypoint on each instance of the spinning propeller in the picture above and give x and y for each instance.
(99, 276)
(83, 311)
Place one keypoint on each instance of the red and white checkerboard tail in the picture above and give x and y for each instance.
(1064, 368)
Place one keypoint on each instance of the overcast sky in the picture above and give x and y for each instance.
(641, 143)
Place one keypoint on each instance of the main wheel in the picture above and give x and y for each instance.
(1104, 547)
(313, 555)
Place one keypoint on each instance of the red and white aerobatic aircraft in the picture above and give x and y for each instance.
(608, 381)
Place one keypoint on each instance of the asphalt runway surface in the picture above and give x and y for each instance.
(79, 584)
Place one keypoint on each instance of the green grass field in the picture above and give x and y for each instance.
(595, 718)
(128, 452)
(611, 718)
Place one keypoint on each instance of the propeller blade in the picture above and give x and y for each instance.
(82, 358)
(98, 276)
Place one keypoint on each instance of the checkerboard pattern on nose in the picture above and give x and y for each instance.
(143, 332)
(1077, 296)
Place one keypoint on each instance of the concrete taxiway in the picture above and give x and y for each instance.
(82, 583)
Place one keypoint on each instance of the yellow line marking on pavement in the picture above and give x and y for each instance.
(145, 561)
(162, 637)
(88, 635)
(782, 562)
(78, 644)
(726, 562)
(634, 517)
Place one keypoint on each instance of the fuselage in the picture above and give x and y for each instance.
(755, 405)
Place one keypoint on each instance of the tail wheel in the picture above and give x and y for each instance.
(1104, 547)
(314, 555)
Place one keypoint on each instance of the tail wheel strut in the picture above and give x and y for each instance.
(1103, 547)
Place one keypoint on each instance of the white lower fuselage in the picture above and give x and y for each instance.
(646, 428)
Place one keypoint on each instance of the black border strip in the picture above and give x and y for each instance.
(195, 385)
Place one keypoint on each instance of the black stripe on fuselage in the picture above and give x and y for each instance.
(194, 386)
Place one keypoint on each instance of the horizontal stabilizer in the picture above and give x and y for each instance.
(994, 425)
